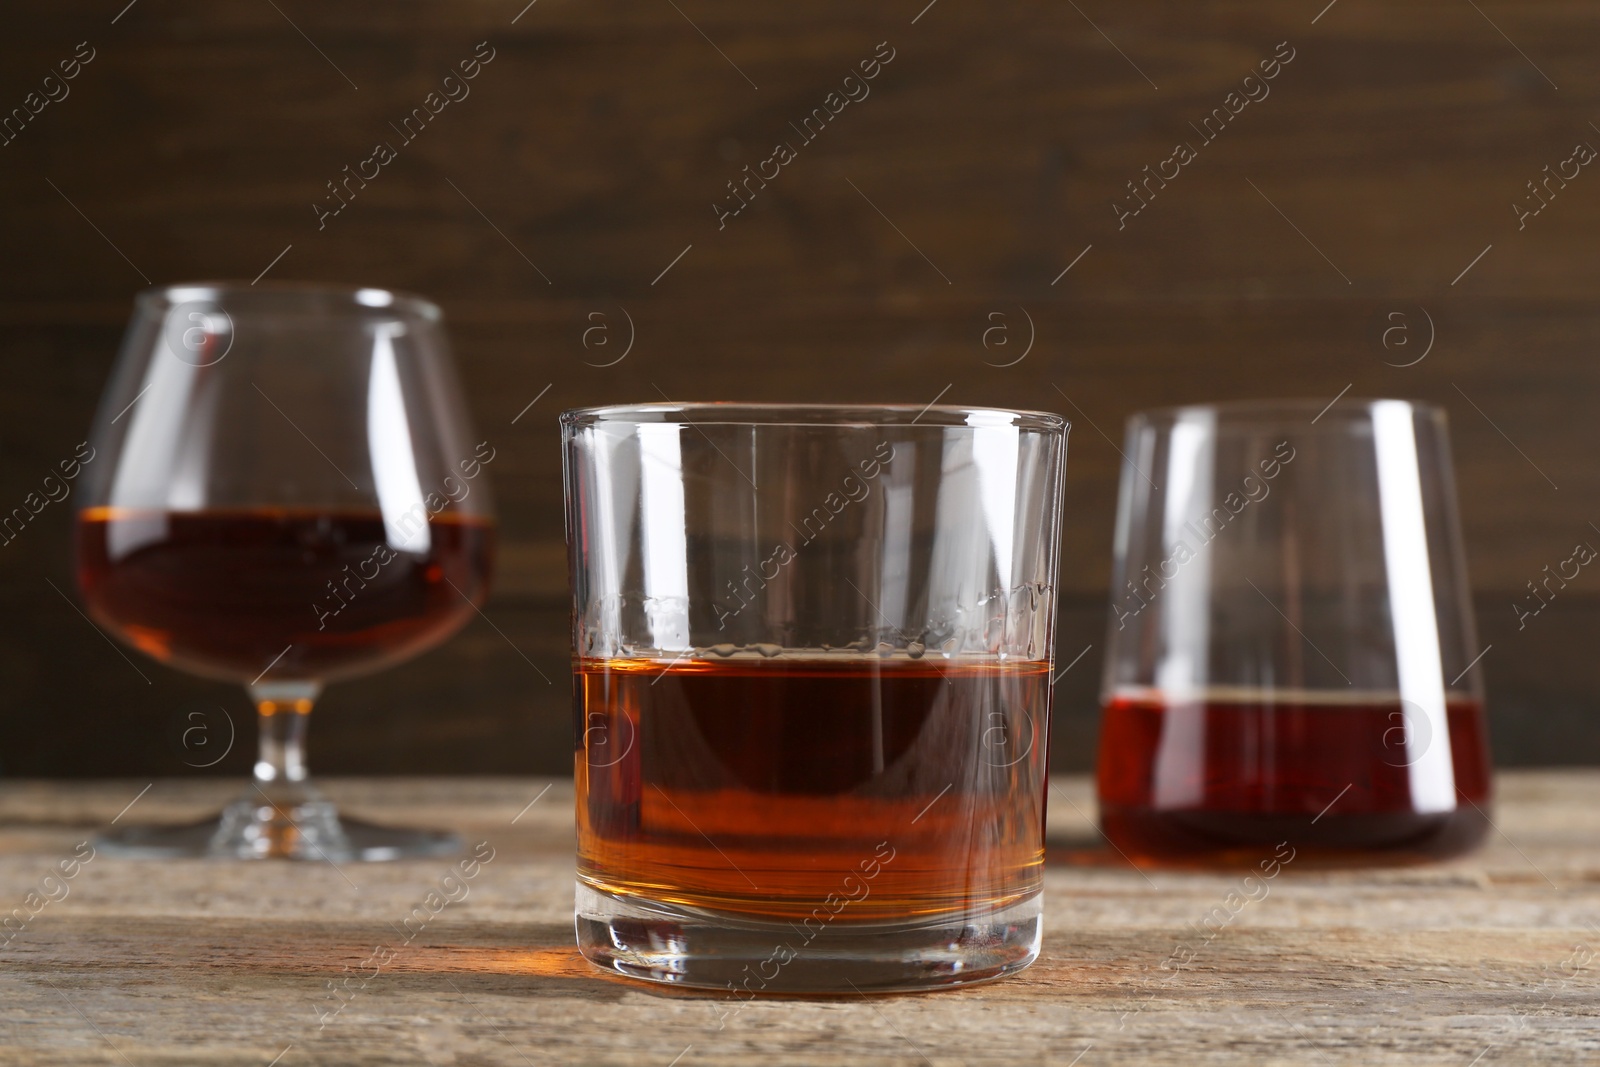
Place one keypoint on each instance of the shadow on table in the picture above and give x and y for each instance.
(1086, 848)
(554, 967)
(512, 959)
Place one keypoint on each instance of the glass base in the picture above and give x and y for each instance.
(259, 829)
(706, 949)
(1193, 837)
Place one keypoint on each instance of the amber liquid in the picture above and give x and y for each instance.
(310, 594)
(770, 787)
(1211, 778)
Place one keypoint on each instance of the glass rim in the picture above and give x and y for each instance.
(739, 413)
(1273, 410)
(294, 296)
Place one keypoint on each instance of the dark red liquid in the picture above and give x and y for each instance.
(1212, 778)
(310, 594)
(763, 786)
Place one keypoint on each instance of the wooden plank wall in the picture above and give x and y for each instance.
(1382, 163)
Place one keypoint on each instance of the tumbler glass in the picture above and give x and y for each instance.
(812, 652)
(1291, 664)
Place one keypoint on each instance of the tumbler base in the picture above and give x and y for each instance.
(706, 949)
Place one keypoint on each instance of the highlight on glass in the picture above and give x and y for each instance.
(286, 493)
(1291, 659)
(812, 652)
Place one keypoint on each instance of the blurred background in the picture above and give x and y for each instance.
(1404, 209)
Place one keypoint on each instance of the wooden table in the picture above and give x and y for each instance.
(1490, 959)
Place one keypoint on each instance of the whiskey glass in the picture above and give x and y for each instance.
(1291, 659)
(284, 492)
(812, 676)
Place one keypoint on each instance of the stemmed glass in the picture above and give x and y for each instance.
(285, 492)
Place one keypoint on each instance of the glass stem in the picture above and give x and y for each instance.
(283, 709)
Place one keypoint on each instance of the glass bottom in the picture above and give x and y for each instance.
(706, 949)
(256, 828)
(1156, 837)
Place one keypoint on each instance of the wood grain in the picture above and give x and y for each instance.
(985, 160)
(192, 962)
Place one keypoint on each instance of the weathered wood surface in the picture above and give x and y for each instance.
(1490, 959)
(594, 145)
